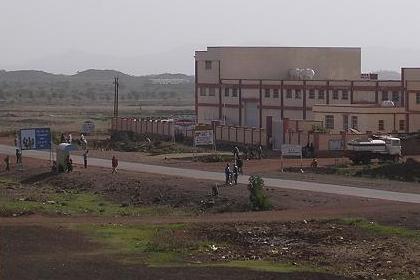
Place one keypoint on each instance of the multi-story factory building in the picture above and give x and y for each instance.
(250, 86)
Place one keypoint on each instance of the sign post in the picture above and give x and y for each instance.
(204, 136)
(35, 139)
(291, 151)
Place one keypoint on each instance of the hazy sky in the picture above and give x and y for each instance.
(145, 36)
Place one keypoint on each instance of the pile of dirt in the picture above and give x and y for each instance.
(337, 247)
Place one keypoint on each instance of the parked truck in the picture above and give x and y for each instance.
(379, 147)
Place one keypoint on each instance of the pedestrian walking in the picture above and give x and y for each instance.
(260, 152)
(69, 164)
(69, 139)
(235, 174)
(7, 163)
(85, 158)
(227, 174)
(114, 164)
(83, 141)
(18, 156)
(240, 164)
(235, 152)
(62, 138)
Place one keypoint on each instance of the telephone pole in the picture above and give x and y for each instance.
(116, 95)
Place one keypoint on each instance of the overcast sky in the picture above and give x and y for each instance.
(150, 36)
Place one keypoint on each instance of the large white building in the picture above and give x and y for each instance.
(250, 86)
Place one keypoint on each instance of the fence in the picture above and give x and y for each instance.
(227, 134)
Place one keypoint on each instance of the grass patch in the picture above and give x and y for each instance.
(154, 245)
(269, 266)
(375, 228)
(77, 204)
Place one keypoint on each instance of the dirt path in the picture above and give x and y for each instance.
(205, 175)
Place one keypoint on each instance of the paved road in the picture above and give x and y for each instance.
(206, 175)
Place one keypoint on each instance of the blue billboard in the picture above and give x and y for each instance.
(35, 139)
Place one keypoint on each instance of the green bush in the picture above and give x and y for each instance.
(259, 201)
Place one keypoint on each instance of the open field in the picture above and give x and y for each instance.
(67, 118)
(128, 224)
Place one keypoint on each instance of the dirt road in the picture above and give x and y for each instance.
(215, 176)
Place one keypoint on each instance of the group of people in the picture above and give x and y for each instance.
(69, 139)
(250, 152)
(66, 139)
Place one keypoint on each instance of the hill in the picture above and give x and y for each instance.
(92, 85)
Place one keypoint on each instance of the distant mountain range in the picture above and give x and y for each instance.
(90, 74)
(92, 85)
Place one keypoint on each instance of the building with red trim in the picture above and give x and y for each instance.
(251, 86)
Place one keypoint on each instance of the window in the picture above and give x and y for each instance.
(202, 91)
(321, 94)
(235, 92)
(298, 94)
(402, 125)
(354, 122)
(385, 95)
(335, 94)
(267, 93)
(345, 95)
(381, 125)
(276, 93)
(345, 122)
(226, 92)
(311, 94)
(329, 121)
(208, 65)
(418, 98)
(212, 91)
(289, 93)
(395, 96)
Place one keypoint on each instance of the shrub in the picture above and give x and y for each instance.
(259, 201)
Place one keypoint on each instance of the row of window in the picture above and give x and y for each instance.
(275, 93)
(329, 123)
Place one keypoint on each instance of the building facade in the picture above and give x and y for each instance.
(250, 86)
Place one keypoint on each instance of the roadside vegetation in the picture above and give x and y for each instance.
(406, 171)
(52, 202)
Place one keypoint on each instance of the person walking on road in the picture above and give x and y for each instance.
(18, 156)
(235, 153)
(235, 174)
(227, 174)
(85, 158)
(7, 163)
(260, 152)
(114, 164)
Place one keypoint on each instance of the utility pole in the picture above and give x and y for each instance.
(116, 96)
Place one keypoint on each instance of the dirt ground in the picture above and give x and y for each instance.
(26, 254)
(194, 196)
(295, 232)
(353, 252)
